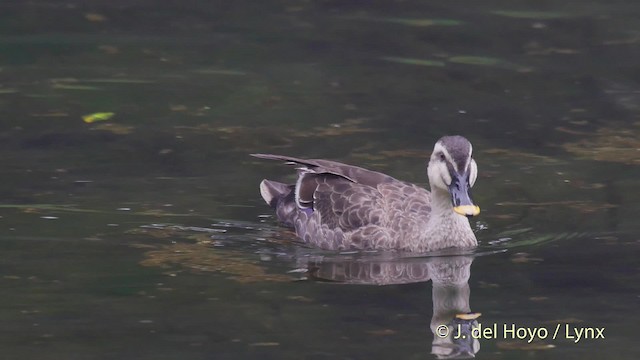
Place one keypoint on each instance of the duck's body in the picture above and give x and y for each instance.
(336, 206)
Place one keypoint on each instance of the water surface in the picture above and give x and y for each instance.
(144, 236)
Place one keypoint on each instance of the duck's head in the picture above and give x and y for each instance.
(452, 169)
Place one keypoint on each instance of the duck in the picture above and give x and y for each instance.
(336, 206)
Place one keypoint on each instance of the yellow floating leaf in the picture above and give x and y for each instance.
(100, 116)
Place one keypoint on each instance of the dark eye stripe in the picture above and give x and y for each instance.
(451, 170)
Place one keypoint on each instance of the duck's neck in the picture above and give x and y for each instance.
(441, 203)
(445, 227)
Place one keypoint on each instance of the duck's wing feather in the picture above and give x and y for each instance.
(318, 166)
(345, 196)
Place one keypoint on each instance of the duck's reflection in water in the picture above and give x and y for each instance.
(452, 321)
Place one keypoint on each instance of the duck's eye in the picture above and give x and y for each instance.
(442, 157)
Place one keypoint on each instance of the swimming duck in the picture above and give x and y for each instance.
(337, 206)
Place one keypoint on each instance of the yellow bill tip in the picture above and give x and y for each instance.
(467, 210)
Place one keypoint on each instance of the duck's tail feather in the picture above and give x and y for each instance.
(271, 191)
(281, 198)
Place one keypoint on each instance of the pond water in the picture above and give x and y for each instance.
(144, 236)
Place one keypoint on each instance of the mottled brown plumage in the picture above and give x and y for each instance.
(337, 206)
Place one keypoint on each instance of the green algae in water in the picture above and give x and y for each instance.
(476, 60)
(409, 21)
(75, 87)
(413, 61)
(422, 22)
(533, 15)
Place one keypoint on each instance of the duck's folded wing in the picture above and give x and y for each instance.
(343, 204)
(347, 197)
(318, 166)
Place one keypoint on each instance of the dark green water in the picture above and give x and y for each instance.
(548, 92)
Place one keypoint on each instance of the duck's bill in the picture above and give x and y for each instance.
(461, 197)
(467, 210)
